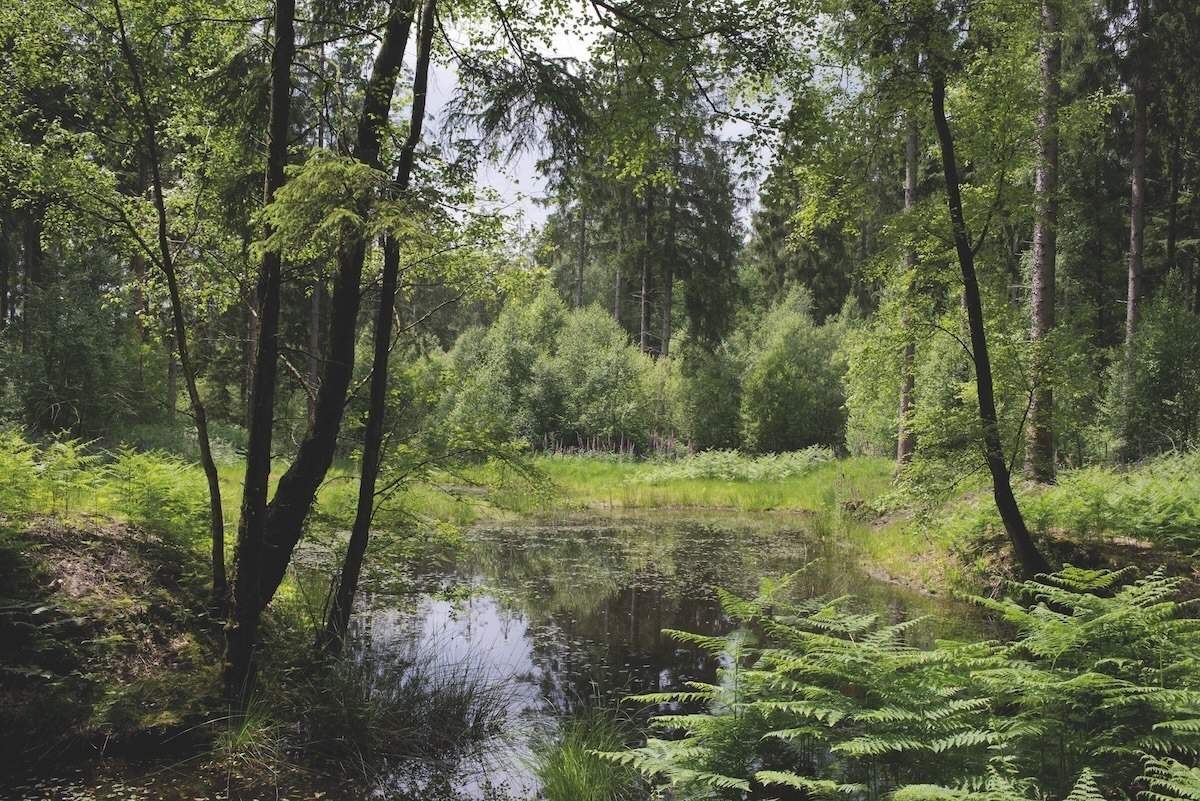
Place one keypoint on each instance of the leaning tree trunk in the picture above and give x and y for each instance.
(266, 542)
(165, 258)
(1030, 558)
(1039, 446)
(343, 598)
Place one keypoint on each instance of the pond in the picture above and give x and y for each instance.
(569, 613)
(549, 617)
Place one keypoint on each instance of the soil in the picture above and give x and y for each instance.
(106, 646)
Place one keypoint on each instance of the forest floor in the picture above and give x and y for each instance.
(108, 650)
(105, 638)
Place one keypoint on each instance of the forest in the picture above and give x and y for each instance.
(299, 300)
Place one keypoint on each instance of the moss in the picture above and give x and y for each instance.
(106, 636)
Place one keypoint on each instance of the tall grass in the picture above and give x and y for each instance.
(804, 481)
(568, 767)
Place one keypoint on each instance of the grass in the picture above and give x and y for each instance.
(742, 483)
(568, 767)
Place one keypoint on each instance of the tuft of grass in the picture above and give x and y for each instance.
(569, 768)
(371, 712)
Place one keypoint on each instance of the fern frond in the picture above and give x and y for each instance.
(822, 788)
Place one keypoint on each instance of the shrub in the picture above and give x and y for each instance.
(1163, 408)
(792, 394)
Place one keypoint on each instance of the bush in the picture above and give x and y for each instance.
(545, 374)
(1163, 407)
(792, 394)
(710, 395)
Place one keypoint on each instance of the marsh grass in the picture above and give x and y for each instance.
(567, 765)
(721, 479)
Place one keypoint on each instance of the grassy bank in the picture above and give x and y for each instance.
(1146, 514)
(806, 481)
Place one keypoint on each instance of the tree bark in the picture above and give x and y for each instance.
(670, 257)
(172, 376)
(580, 255)
(647, 262)
(1030, 558)
(265, 544)
(33, 269)
(6, 261)
(242, 628)
(620, 259)
(343, 602)
(314, 346)
(1039, 445)
(905, 441)
(1137, 210)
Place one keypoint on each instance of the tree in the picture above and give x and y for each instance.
(269, 532)
(1137, 194)
(1031, 559)
(1039, 451)
(347, 585)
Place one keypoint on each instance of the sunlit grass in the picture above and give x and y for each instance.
(595, 483)
(569, 767)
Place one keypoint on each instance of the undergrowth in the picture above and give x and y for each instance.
(1096, 697)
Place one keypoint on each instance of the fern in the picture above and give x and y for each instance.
(1170, 780)
(1101, 678)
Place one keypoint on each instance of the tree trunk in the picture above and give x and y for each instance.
(266, 543)
(314, 346)
(343, 603)
(581, 255)
(33, 269)
(905, 441)
(242, 628)
(1137, 211)
(1174, 168)
(647, 262)
(670, 257)
(139, 267)
(166, 263)
(620, 260)
(1030, 558)
(1039, 445)
(250, 353)
(6, 261)
(172, 376)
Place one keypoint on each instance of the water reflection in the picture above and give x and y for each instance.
(571, 612)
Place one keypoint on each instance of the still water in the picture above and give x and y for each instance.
(571, 612)
(552, 616)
